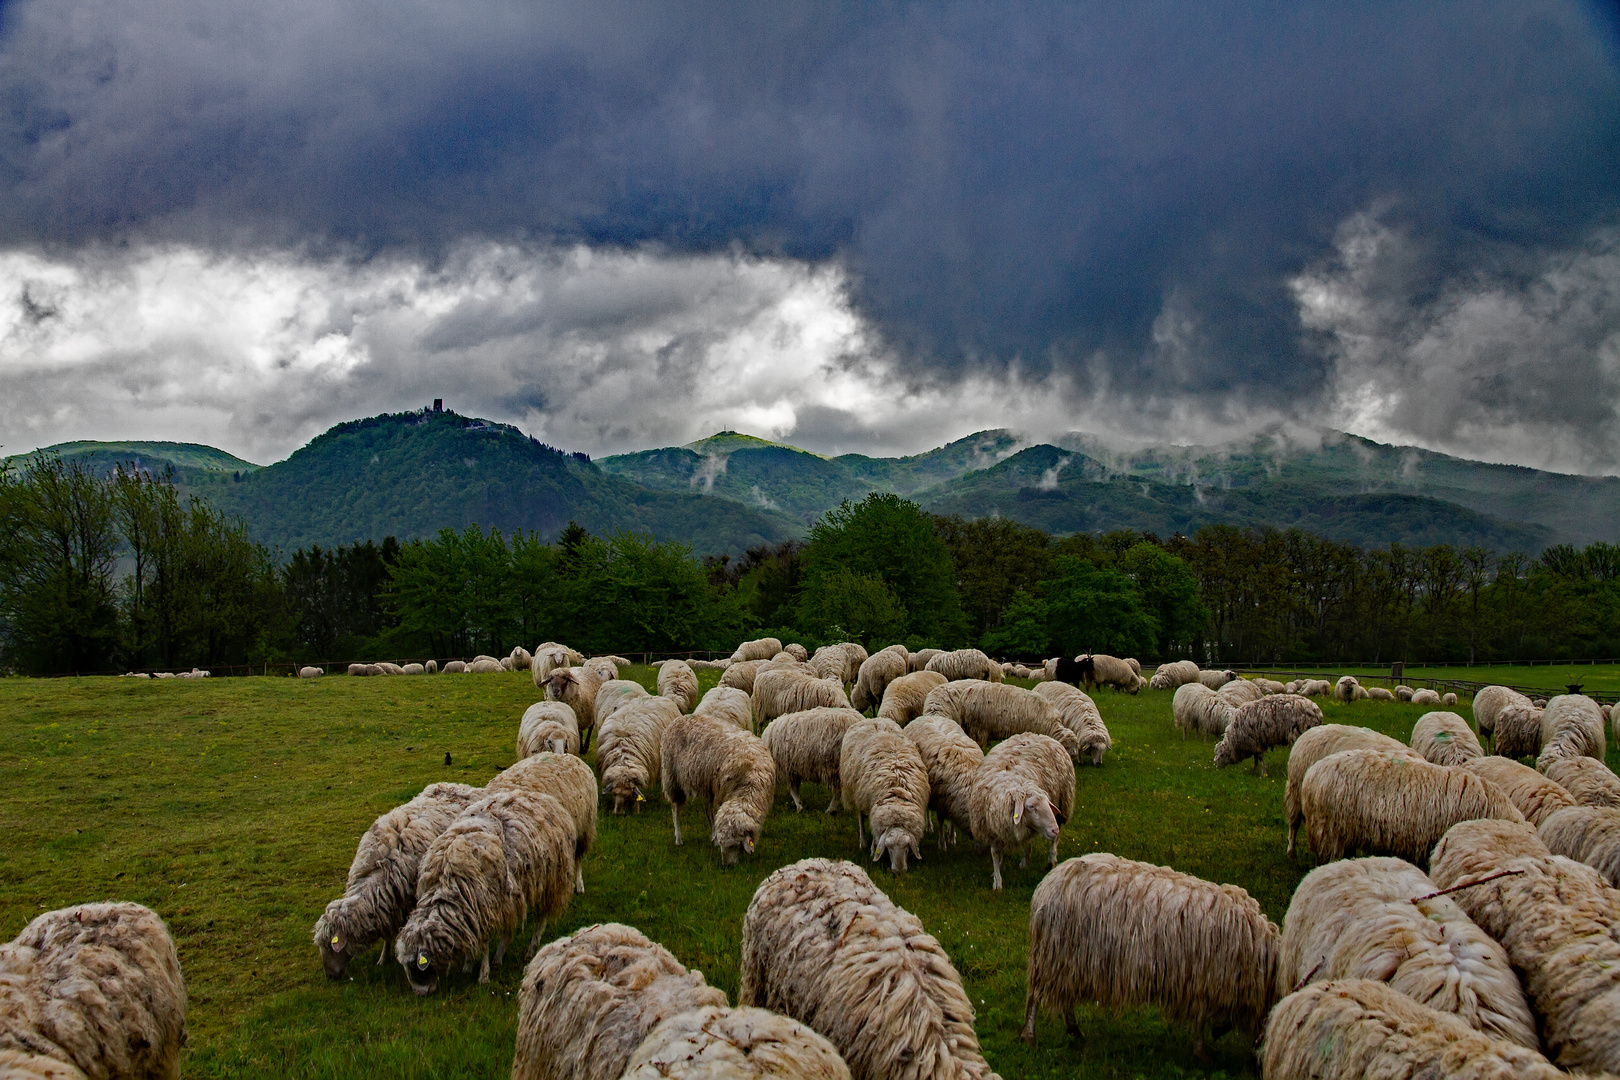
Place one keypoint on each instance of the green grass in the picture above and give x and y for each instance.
(232, 807)
(1594, 678)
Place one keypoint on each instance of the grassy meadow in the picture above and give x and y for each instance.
(232, 807)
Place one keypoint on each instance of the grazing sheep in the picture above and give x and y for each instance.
(566, 779)
(1535, 795)
(1588, 834)
(797, 651)
(356, 670)
(381, 888)
(840, 663)
(1380, 919)
(678, 682)
(951, 758)
(884, 780)
(879, 670)
(612, 696)
(1556, 918)
(1215, 679)
(1378, 693)
(1022, 787)
(1263, 723)
(1404, 692)
(451, 667)
(390, 669)
(778, 692)
(918, 661)
(1518, 730)
(1315, 688)
(1321, 742)
(548, 657)
(1571, 726)
(1448, 699)
(992, 711)
(729, 770)
(1079, 714)
(431, 667)
(548, 725)
(758, 649)
(588, 1000)
(1391, 804)
(1489, 702)
(1240, 692)
(484, 667)
(1445, 739)
(809, 745)
(311, 672)
(92, 991)
(1112, 671)
(1345, 689)
(1588, 780)
(1127, 934)
(576, 688)
(412, 669)
(1376, 1031)
(965, 664)
(504, 855)
(1198, 708)
(1170, 676)
(905, 697)
(717, 1043)
(1272, 686)
(825, 946)
(1425, 696)
(629, 752)
(728, 704)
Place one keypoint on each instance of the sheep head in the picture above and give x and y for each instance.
(1035, 813)
(897, 842)
(562, 685)
(734, 830)
(423, 958)
(1225, 753)
(339, 938)
(625, 793)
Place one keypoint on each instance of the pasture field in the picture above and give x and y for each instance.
(1594, 678)
(232, 807)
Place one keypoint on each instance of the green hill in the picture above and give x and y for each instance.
(193, 462)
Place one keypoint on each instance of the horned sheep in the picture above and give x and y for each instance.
(951, 758)
(808, 745)
(885, 782)
(1535, 795)
(548, 725)
(825, 946)
(1023, 787)
(1079, 714)
(717, 1043)
(1445, 739)
(729, 704)
(965, 664)
(629, 752)
(566, 779)
(778, 692)
(678, 682)
(1263, 723)
(1321, 742)
(905, 697)
(877, 672)
(1588, 780)
(992, 711)
(729, 770)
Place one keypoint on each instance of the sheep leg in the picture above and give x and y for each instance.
(483, 968)
(995, 868)
(500, 951)
(385, 951)
(832, 807)
(1051, 859)
(1262, 765)
(579, 879)
(1023, 855)
(675, 812)
(1030, 1008)
(534, 942)
(793, 790)
(860, 829)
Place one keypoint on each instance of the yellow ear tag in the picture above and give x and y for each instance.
(421, 960)
(1018, 814)
(334, 940)
(639, 797)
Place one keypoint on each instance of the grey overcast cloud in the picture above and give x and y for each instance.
(869, 227)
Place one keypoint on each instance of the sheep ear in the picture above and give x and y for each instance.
(1018, 811)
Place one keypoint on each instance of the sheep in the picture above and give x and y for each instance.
(613, 695)
(431, 667)
(1022, 787)
(1518, 730)
(879, 670)
(1079, 714)
(1448, 699)
(1403, 692)
(1489, 702)
(1198, 708)
(778, 692)
(1378, 693)
(1374, 1030)
(1170, 676)
(602, 667)
(1272, 686)
(311, 672)
(951, 758)
(841, 662)
(1381, 919)
(1315, 688)
(566, 779)
(1557, 920)
(918, 661)
(730, 770)
(1425, 696)
(1126, 934)
(628, 754)
(991, 711)
(1391, 804)
(1588, 834)
(412, 669)
(484, 667)
(92, 991)
(588, 1000)
(548, 725)
(1321, 742)
(797, 651)
(728, 704)
(1214, 679)
(883, 779)
(505, 854)
(381, 887)
(717, 1043)
(1445, 739)
(1112, 671)
(1588, 781)
(678, 682)
(1535, 795)
(576, 688)
(451, 667)
(1240, 692)
(904, 698)
(388, 669)
(548, 657)
(1261, 724)
(356, 670)
(1571, 726)
(1345, 689)
(965, 664)
(808, 745)
(758, 649)
(521, 659)
(825, 946)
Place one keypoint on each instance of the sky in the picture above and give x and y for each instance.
(870, 227)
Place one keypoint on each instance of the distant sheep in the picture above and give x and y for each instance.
(1199, 709)
(1261, 724)
(311, 672)
(1518, 730)
(951, 758)
(1079, 714)
(727, 769)
(885, 782)
(1170, 676)
(717, 1043)
(1315, 688)
(431, 667)
(630, 749)
(825, 946)
(1425, 696)
(451, 667)
(1571, 726)
(1588, 780)
(758, 649)
(1345, 689)
(1587, 834)
(92, 991)
(1127, 934)
(412, 669)
(778, 692)
(905, 697)
(1536, 796)
(566, 779)
(918, 660)
(484, 667)
(808, 745)
(1448, 699)
(1445, 739)
(548, 725)
(1378, 693)
(1215, 679)
(1112, 671)
(678, 682)
(1489, 702)
(603, 668)
(1403, 692)
(729, 704)
(965, 664)
(1321, 742)
(549, 656)
(992, 711)
(1023, 788)
(879, 670)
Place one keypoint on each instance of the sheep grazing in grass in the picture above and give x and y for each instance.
(758, 649)
(883, 779)
(451, 667)
(1198, 708)
(841, 662)
(1587, 834)
(1571, 726)
(381, 888)
(1386, 803)
(357, 670)
(1215, 679)
(603, 668)
(589, 999)
(1556, 918)
(1127, 934)
(1263, 723)
(1112, 671)
(1170, 676)
(879, 670)
(825, 946)
(716, 1043)
(484, 667)
(1448, 699)
(1588, 780)
(1315, 688)
(1489, 703)
(1518, 730)
(311, 672)
(92, 991)
(1321, 742)
(1403, 692)
(1425, 696)
(1535, 795)
(412, 669)
(992, 711)
(504, 856)
(614, 695)
(629, 751)
(729, 770)
(905, 697)
(965, 664)
(1378, 693)
(1079, 714)
(548, 725)
(1240, 692)
(566, 779)
(431, 667)
(1445, 739)
(797, 651)
(1345, 689)
(1022, 789)
(951, 758)
(548, 657)
(918, 660)
(809, 745)
(1374, 1030)
(728, 704)
(678, 682)
(576, 688)
(778, 692)
(1380, 919)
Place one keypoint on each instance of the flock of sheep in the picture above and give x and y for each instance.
(1479, 934)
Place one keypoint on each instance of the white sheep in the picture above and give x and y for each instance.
(808, 745)
(778, 692)
(918, 660)
(875, 675)
(1318, 743)
(311, 672)
(717, 1043)
(727, 769)
(905, 697)
(883, 779)
(951, 758)
(729, 704)
(576, 687)
(548, 725)
(992, 711)
(1259, 725)
(1198, 708)
(1425, 696)
(568, 780)
(630, 749)
(1490, 701)
(1588, 780)
(1023, 788)
(612, 696)
(678, 682)
(1213, 678)
(1345, 689)
(1108, 670)
(758, 649)
(1571, 726)
(1078, 713)
(1170, 676)
(1587, 834)
(965, 664)
(1535, 795)
(1518, 729)
(1445, 739)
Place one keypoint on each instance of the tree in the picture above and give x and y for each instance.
(1024, 629)
(1090, 609)
(855, 607)
(1170, 592)
(993, 559)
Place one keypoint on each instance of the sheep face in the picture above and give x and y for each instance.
(338, 942)
(625, 795)
(423, 974)
(734, 832)
(562, 685)
(1035, 814)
